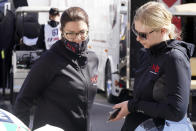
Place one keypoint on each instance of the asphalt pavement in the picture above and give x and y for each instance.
(100, 113)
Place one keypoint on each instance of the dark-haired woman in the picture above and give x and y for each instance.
(63, 81)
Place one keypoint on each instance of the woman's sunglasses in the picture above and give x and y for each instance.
(142, 35)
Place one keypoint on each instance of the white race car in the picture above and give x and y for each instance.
(9, 122)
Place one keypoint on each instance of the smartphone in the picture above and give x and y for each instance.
(113, 114)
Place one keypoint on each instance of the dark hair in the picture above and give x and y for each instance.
(54, 11)
(73, 14)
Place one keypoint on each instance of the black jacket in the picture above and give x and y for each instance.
(64, 86)
(7, 29)
(162, 82)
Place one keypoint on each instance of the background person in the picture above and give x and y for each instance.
(162, 82)
(27, 33)
(63, 80)
(50, 31)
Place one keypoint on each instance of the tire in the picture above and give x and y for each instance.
(108, 84)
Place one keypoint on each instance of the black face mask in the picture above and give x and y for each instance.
(75, 47)
(53, 23)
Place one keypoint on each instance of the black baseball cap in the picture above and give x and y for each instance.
(54, 11)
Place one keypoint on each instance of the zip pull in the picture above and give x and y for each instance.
(2, 54)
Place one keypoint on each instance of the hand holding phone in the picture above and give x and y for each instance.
(114, 113)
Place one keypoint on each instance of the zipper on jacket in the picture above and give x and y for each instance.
(86, 94)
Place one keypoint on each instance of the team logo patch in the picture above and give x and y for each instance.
(94, 79)
(155, 69)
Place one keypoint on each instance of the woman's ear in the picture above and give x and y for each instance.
(163, 30)
(164, 33)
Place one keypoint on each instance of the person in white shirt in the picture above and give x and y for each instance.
(50, 31)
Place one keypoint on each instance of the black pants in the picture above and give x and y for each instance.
(133, 120)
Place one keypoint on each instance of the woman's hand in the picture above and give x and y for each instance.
(123, 112)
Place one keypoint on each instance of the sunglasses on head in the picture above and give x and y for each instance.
(142, 35)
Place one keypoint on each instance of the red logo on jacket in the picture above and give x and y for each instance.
(155, 69)
(94, 79)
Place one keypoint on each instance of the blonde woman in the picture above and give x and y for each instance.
(162, 82)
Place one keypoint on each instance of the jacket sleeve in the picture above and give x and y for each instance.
(41, 42)
(174, 107)
(32, 88)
